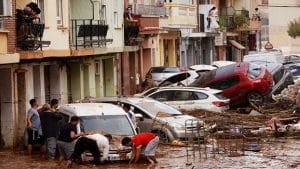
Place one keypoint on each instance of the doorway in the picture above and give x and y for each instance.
(108, 79)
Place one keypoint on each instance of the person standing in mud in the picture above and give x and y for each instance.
(66, 138)
(34, 128)
(142, 143)
(49, 120)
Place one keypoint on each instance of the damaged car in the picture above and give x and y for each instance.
(189, 98)
(154, 116)
(241, 82)
(282, 77)
(103, 118)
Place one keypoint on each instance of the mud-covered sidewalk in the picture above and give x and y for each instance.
(274, 153)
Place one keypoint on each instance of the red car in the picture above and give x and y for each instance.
(241, 82)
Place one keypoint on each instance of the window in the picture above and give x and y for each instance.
(116, 19)
(183, 95)
(2, 24)
(254, 71)
(5, 7)
(2, 7)
(41, 6)
(59, 17)
(163, 96)
(201, 96)
(97, 68)
(204, 2)
(226, 83)
(103, 12)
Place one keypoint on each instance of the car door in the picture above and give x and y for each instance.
(145, 123)
(183, 100)
(201, 101)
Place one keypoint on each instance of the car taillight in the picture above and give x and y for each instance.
(218, 103)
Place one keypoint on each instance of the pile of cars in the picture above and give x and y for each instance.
(257, 78)
(216, 87)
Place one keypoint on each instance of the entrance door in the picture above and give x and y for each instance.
(5, 105)
(108, 71)
(21, 91)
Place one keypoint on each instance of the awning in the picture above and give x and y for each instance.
(237, 45)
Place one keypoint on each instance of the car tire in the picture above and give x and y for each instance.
(254, 97)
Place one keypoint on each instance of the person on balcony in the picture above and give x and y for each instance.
(212, 19)
(129, 15)
(256, 15)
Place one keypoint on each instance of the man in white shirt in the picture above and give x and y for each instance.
(94, 143)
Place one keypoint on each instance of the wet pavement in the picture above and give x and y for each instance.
(275, 153)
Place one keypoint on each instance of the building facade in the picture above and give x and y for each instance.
(278, 24)
(69, 53)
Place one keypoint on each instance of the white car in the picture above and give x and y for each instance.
(222, 63)
(202, 68)
(154, 116)
(158, 74)
(102, 117)
(190, 98)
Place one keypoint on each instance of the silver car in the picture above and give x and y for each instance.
(158, 74)
(154, 116)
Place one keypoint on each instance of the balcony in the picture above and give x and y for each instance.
(238, 20)
(149, 10)
(30, 33)
(182, 16)
(131, 32)
(149, 25)
(88, 33)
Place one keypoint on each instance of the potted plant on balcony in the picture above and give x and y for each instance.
(240, 21)
(294, 33)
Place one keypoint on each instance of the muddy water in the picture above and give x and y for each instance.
(274, 154)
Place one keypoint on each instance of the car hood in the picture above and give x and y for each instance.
(178, 78)
(179, 119)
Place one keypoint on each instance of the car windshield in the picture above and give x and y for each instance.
(158, 109)
(165, 70)
(114, 125)
(254, 70)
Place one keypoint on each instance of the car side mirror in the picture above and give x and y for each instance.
(139, 116)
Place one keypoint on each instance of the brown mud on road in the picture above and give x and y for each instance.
(275, 153)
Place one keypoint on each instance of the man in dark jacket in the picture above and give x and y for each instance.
(49, 119)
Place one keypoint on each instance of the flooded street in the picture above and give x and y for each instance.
(279, 153)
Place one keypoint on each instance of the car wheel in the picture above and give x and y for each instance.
(163, 137)
(254, 97)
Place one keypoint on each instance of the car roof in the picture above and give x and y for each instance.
(206, 89)
(221, 63)
(271, 66)
(129, 100)
(202, 67)
(90, 109)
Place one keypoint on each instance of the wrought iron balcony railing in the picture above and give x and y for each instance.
(30, 33)
(89, 33)
(131, 32)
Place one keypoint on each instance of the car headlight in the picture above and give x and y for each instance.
(178, 127)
